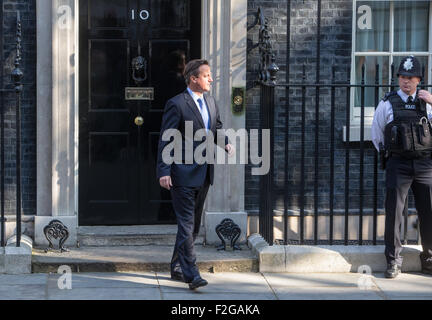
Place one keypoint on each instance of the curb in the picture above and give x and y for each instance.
(320, 259)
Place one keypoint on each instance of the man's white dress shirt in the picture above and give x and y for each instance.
(204, 112)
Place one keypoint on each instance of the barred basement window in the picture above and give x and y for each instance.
(385, 31)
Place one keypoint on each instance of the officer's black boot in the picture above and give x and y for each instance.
(392, 271)
(426, 263)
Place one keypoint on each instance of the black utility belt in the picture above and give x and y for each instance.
(409, 140)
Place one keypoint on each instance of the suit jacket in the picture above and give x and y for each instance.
(178, 110)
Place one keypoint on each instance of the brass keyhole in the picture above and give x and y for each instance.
(139, 121)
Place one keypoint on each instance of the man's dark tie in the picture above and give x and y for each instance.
(202, 114)
(410, 99)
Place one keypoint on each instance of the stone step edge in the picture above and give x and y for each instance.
(127, 230)
(129, 240)
(241, 265)
(325, 258)
(119, 238)
(148, 235)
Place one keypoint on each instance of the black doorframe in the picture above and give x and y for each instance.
(195, 33)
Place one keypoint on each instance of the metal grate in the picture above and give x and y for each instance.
(308, 94)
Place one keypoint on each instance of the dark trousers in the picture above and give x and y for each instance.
(401, 174)
(188, 203)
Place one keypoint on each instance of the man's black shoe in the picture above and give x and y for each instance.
(426, 271)
(176, 275)
(426, 263)
(392, 271)
(197, 282)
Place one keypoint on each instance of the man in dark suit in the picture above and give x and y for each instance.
(189, 181)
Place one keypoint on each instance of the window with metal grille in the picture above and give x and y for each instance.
(385, 31)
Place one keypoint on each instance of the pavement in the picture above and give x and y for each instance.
(222, 286)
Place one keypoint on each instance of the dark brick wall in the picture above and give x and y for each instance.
(336, 23)
(336, 35)
(27, 10)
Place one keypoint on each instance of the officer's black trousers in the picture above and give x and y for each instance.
(401, 174)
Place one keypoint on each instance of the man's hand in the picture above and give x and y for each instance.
(230, 149)
(165, 182)
(425, 96)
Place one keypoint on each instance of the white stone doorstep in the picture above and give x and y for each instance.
(321, 259)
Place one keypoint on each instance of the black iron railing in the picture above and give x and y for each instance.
(267, 76)
(2, 217)
(16, 77)
(268, 190)
(341, 149)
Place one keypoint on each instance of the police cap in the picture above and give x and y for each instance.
(410, 67)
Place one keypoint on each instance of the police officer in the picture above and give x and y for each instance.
(402, 129)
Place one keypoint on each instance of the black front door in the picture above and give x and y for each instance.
(129, 44)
